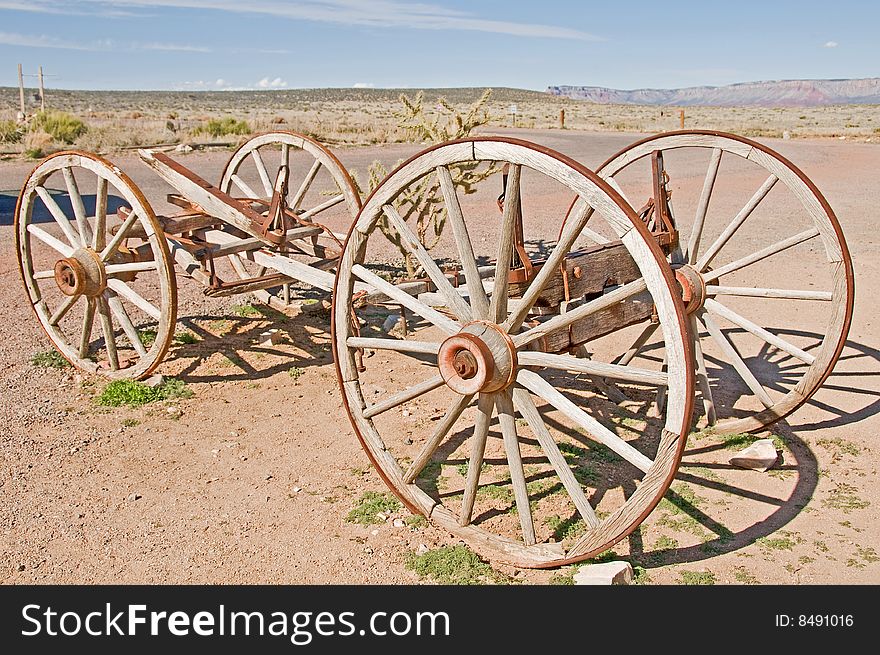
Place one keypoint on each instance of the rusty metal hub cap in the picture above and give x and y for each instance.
(81, 274)
(693, 287)
(480, 358)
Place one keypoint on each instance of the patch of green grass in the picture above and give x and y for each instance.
(185, 337)
(431, 477)
(563, 529)
(33, 153)
(601, 453)
(217, 127)
(10, 132)
(416, 521)
(463, 468)
(563, 577)
(696, 578)
(135, 394)
(245, 311)
(295, 372)
(496, 492)
(61, 126)
(147, 337)
(741, 574)
(867, 554)
(49, 359)
(586, 474)
(821, 546)
(369, 505)
(845, 498)
(640, 575)
(740, 440)
(454, 565)
(839, 447)
(130, 422)
(572, 452)
(665, 542)
(705, 473)
(778, 543)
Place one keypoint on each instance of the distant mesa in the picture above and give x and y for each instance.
(775, 93)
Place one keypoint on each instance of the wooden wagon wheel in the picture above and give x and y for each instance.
(469, 361)
(86, 258)
(317, 182)
(746, 265)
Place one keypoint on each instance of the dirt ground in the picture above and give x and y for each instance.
(250, 480)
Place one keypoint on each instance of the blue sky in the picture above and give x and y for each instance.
(211, 44)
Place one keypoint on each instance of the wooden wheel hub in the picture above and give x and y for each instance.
(480, 358)
(693, 287)
(82, 273)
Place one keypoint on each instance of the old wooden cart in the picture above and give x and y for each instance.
(580, 355)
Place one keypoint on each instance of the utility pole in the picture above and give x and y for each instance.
(21, 91)
(42, 92)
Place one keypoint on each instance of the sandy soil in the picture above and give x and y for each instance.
(252, 483)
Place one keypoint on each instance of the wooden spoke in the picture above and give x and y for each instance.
(132, 296)
(702, 375)
(473, 281)
(498, 304)
(49, 240)
(118, 310)
(335, 200)
(737, 221)
(99, 236)
(717, 308)
(60, 218)
(779, 246)
(79, 209)
(245, 187)
(562, 321)
(411, 243)
(485, 405)
(399, 345)
(403, 298)
(543, 389)
(507, 420)
(300, 194)
(440, 432)
(570, 233)
(693, 246)
(131, 267)
(62, 310)
(262, 172)
(638, 344)
(285, 155)
(529, 411)
(787, 294)
(109, 336)
(86, 334)
(601, 369)
(44, 275)
(111, 247)
(734, 359)
(404, 396)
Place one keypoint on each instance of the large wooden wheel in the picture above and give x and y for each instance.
(769, 276)
(510, 449)
(91, 251)
(318, 190)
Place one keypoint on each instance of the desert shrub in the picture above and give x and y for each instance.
(223, 127)
(38, 144)
(135, 394)
(10, 132)
(62, 127)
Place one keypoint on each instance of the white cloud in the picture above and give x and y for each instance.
(100, 45)
(362, 85)
(220, 83)
(170, 47)
(367, 13)
(830, 44)
(266, 83)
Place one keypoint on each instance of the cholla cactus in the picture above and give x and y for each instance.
(422, 202)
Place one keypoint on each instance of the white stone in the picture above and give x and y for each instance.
(399, 523)
(760, 456)
(422, 549)
(270, 338)
(154, 380)
(786, 135)
(183, 147)
(607, 573)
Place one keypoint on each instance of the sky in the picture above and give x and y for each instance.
(272, 44)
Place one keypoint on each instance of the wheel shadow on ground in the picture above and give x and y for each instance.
(40, 214)
(232, 348)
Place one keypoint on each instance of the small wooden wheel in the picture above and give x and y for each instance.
(774, 267)
(93, 255)
(319, 190)
(442, 410)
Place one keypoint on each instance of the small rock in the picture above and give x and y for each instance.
(760, 456)
(390, 322)
(382, 516)
(269, 476)
(296, 490)
(607, 573)
(311, 306)
(154, 380)
(183, 147)
(422, 549)
(786, 135)
(21, 567)
(405, 413)
(398, 523)
(174, 411)
(368, 550)
(133, 497)
(407, 441)
(374, 532)
(270, 338)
